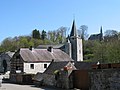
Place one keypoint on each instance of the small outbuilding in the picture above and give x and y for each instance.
(5, 61)
(56, 75)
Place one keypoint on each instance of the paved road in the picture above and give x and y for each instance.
(8, 86)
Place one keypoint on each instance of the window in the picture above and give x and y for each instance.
(32, 66)
(17, 68)
(45, 65)
(79, 51)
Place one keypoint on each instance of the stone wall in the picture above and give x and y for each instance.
(49, 80)
(105, 79)
(61, 82)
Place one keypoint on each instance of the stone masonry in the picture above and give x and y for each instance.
(105, 79)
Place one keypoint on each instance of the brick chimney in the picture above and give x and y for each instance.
(50, 49)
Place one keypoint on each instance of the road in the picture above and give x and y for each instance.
(9, 86)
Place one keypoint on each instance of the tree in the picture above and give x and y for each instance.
(88, 50)
(61, 34)
(58, 36)
(43, 35)
(111, 35)
(100, 51)
(113, 52)
(83, 32)
(7, 44)
(36, 34)
(23, 42)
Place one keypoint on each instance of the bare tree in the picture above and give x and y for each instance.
(82, 32)
(110, 35)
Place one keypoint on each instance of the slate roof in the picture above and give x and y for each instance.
(84, 65)
(52, 68)
(57, 66)
(10, 54)
(74, 30)
(43, 55)
(95, 37)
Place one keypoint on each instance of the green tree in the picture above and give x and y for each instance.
(7, 44)
(43, 35)
(36, 34)
(23, 42)
(113, 51)
(100, 51)
(88, 50)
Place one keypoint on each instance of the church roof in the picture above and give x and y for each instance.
(73, 31)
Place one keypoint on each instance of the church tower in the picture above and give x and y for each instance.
(76, 44)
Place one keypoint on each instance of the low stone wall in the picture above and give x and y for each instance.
(49, 80)
(61, 82)
(104, 79)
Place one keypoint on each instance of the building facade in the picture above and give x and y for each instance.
(74, 44)
(31, 61)
(5, 61)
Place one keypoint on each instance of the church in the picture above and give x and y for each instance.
(73, 45)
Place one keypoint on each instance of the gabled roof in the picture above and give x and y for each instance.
(73, 30)
(58, 66)
(10, 54)
(43, 55)
(52, 68)
(84, 65)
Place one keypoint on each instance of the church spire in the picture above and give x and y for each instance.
(101, 34)
(73, 31)
(101, 30)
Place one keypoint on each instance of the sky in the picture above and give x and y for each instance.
(21, 17)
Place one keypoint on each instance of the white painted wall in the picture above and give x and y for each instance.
(38, 67)
(79, 50)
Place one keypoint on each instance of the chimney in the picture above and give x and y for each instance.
(50, 49)
(30, 48)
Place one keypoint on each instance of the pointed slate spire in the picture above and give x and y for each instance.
(101, 30)
(73, 30)
(101, 34)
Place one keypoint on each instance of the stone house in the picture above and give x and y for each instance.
(30, 61)
(5, 61)
(55, 75)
